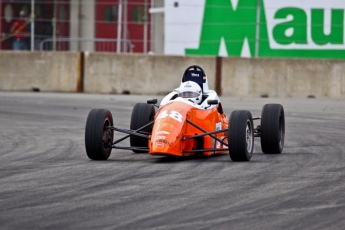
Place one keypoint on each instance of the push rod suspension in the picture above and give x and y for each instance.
(131, 132)
(207, 133)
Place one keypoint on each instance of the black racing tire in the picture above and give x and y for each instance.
(142, 114)
(272, 128)
(98, 138)
(241, 135)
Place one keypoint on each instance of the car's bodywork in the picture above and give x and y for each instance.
(183, 129)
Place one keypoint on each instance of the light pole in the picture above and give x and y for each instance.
(257, 35)
(119, 24)
(32, 25)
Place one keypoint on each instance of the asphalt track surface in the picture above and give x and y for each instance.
(47, 181)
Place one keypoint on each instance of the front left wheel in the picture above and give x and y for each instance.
(98, 136)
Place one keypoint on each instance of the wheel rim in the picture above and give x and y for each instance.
(281, 131)
(107, 135)
(249, 136)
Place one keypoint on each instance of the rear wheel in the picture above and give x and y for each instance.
(272, 128)
(142, 114)
(98, 136)
(241, 135)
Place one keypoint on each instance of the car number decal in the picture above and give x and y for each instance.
(173, 114)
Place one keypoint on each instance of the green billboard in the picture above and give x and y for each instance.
(271, 28)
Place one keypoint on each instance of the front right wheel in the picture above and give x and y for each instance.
(142, 115)
(241, 135)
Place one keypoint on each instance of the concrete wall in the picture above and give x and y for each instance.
(46, 71)
(283, 77)
(154, 74)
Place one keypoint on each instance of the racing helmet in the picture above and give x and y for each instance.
(190, 91)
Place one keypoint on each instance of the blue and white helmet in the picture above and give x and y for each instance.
(190, 91)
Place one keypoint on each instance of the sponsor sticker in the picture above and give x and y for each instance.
(162, 132)
(218, 126)
(163, 141)
(159, 144)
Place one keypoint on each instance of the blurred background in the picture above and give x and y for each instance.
(76, 25)
(248, 47)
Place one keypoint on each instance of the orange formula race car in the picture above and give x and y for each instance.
(189, 121)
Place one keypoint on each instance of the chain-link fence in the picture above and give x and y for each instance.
(76, 25)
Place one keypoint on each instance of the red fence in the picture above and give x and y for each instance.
(56, 21)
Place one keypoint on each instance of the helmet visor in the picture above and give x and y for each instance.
(189, 94)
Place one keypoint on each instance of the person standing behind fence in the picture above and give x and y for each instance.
(20, 32)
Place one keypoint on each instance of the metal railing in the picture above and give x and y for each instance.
(99, 44)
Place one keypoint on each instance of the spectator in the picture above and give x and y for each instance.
(20, 32)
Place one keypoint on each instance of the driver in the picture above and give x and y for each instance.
(190, 91)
